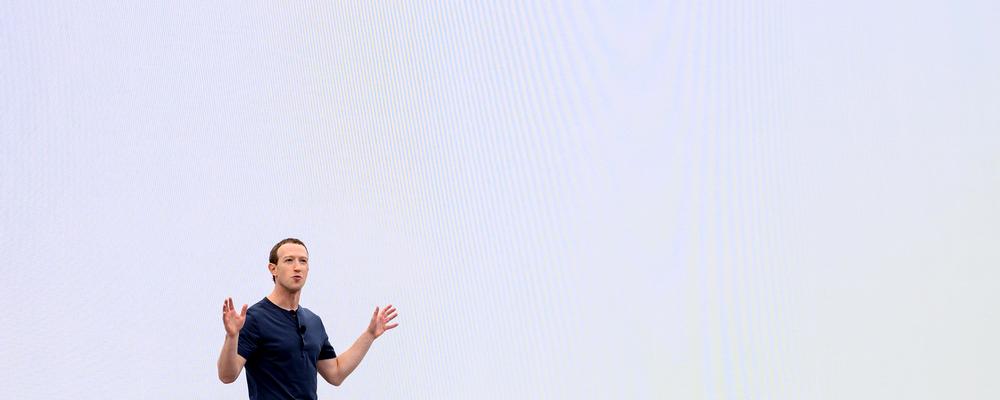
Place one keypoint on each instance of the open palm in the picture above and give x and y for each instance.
(380, 321)
(232, 320)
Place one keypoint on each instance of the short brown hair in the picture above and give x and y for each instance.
(274, 250)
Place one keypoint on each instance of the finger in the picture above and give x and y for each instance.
(230, 302)
(376, 313)
(244, 312)
(387, 327)
(391, 317)
(223, 306)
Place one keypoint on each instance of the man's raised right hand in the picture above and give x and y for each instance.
(232, 320)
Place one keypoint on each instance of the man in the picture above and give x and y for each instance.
(283, 345)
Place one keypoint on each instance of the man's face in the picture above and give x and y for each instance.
(292, 268)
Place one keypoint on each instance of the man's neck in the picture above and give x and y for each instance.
(284, 299)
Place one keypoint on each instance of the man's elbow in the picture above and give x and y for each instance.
(334, 380)
(227, 379)
(330, 371)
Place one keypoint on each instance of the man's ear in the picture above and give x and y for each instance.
(273, 268)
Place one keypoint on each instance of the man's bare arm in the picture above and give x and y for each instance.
(230, 362)
(336, 370)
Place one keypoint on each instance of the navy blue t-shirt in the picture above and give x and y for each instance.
(281, 348)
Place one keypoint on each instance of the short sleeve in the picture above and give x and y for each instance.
(249, 336)
(326, 352)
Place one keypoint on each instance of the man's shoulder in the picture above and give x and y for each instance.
(307, 312)
(258, 307)
(309, 315)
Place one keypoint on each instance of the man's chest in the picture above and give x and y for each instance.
(285, 341)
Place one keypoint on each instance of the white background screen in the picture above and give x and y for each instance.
(687, 200)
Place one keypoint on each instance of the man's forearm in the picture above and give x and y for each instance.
(229, 365)
(348, 361)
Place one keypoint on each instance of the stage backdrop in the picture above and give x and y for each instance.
(689, 200)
